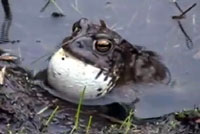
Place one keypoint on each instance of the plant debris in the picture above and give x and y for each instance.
(8, 58)
(2, 75)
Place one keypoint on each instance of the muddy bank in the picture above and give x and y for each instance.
(22, 102)
(25, 108)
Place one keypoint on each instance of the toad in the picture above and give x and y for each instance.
(98, 59)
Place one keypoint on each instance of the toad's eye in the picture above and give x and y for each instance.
(102, 45)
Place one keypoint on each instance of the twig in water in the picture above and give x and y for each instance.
(189, 42)
(6, 23)
(182, 12)
(110, 118)
(75, 7)
(54, 3)
(43, 110)
(45, 6)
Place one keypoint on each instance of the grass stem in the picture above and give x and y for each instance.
(77, 116)
(51, 116)
(127, 123)
(89, 125)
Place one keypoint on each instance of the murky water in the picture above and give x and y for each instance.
(147, 23)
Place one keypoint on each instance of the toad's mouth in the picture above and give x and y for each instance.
(69, 75)
(70, 54)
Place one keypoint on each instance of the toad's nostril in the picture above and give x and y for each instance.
(79, 44)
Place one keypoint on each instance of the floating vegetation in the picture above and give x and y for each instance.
(2, 75)
(8, 58)
(188, 114)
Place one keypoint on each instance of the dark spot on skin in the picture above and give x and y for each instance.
(99, 94)
(111, 83)
(59, 73)
(95, 55)
(106, 77)
(100, 72)
(99, 89)
(63, 58)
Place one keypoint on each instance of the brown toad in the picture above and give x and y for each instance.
(106, 64)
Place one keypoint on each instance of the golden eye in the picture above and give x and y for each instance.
(102, 45)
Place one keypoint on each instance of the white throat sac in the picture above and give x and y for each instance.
(69, 75)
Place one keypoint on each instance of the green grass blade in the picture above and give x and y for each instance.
(127, 123)
(51, 116)
(89, 125)
(77, 116)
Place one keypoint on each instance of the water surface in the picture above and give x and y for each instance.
(147, 23)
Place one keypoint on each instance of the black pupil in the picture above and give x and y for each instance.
(103, 46)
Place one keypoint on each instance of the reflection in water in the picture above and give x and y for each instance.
(6, 23)
(148, 23)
